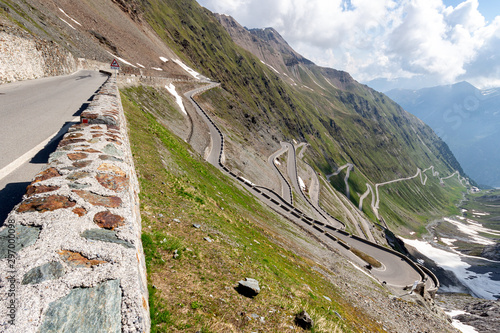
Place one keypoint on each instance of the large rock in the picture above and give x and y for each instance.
(492, 252)
(86, 310)
(248, 287)
(304, 320)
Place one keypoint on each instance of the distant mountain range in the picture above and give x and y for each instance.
(467, 119)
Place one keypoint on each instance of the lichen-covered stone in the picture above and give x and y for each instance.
(46, 174)
(111, 149)
(96, 309)
(55, 155)
(112, 182)
(108, 220)
(82, 164)
(76, 259)
(110, 158)
(44, 204)
(32, 189)
(49, 271)
(78, 175)
(99, 200)
(23, 236)
(111, 168)
(104, 235)
(77, 156)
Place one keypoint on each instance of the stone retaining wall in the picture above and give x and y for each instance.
(27, 57)
(71, 257)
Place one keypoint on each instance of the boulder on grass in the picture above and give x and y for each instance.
(304, 320)
(248, 287)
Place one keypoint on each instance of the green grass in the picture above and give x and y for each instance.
(196, 291)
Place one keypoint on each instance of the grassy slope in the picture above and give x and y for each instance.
(355, 125)
(196, 290)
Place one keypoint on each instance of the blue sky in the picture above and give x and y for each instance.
(404, 43)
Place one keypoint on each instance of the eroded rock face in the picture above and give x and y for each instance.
(94, 309)
(45, 204)
(491, 252)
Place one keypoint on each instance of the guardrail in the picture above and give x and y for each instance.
(72, 248)
(309, 221)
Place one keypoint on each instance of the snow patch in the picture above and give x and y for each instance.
(72, 27)
(458, 325)
(448, 241)
(472, 229)
(302, 184)
(171, 89)
(480, 284)
(157, 69)
(163, 59)
(276, 161)
(72, 19)
(274, 69)
(188, 69)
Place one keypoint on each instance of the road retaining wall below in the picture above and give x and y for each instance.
(71, 257)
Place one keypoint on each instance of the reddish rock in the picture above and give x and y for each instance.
(89, 150)
(107, 220)
(112, 182)
(66, 142)
(96, 127)
(77, 156)
(44, 204)
(97, 135)
(76, 259)
(114, 141)
(79, 211)
(31, 190)
(111, 168)
(88, 115)
(99, 200)
(82, 164)
(47, 174)
(113, 127)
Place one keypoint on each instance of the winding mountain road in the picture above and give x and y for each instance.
(396, 270)
(34, 114)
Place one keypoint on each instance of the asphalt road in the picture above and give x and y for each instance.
(33, 114)
(395, 271)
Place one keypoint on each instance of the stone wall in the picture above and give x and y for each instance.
(71, 257)
(25, 57)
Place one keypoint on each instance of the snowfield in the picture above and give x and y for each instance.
(171, 89)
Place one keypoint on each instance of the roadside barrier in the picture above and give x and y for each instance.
(73, 247)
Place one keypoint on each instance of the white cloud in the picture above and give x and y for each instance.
(423, 39)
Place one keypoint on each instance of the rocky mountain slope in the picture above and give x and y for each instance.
(467, 119)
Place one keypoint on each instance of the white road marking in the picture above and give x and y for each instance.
(31, 153)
